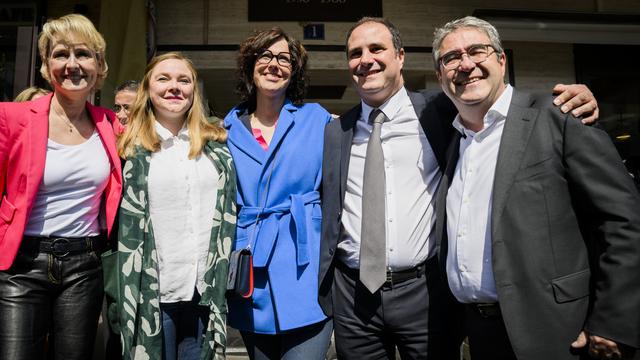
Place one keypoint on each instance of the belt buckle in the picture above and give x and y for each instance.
(60, 247)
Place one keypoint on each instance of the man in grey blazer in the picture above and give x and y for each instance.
(407, 307)
(538, 220)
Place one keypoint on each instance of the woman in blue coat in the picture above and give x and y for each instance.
(276, 143)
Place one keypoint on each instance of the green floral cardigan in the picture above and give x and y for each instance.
(131, 272)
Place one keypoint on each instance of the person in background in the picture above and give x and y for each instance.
(177, 221)
(125, 95)
(276, 142)
(31, 93)
(60, 172)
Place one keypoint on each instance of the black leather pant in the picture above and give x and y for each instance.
(50, 302)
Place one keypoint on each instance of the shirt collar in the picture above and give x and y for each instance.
(390, 107)
(164, 134)
(497, 111)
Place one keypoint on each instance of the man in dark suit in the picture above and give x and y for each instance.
(387, 293)
(540, 221)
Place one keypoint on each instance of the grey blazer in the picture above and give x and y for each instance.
(565, 232)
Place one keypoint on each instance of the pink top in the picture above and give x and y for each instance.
(257, 133)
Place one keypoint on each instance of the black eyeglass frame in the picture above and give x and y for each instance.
(268, 54)
(466, 51)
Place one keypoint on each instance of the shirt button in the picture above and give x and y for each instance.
(390, 219)
(391, 250)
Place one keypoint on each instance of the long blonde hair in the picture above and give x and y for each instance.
(141, 125)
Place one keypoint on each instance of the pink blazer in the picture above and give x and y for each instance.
(23, 144)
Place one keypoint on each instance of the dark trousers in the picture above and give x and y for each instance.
(306, 343)
(410, 316)
(488, 339)
(44, 297)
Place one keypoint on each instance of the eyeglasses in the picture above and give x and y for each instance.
(265, 57)
(477, 53)
(118, 107)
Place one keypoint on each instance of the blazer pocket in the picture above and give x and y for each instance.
(571, 287)
(531, 170)
(7, 210)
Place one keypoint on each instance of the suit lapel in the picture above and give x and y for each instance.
(419, 103)
(242, 138)
(38, 137)
(285, 122)
(105, 129)
(515, 137)
(452, 155)
(348, 123)
(432, 120)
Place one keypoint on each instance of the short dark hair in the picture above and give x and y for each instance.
(395, 33)
(129, 85)
(259, 41)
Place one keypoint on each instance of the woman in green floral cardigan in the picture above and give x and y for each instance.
(177, 222)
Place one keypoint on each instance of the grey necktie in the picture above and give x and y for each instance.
(373, 248)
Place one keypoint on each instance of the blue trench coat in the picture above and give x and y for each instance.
(286, 238)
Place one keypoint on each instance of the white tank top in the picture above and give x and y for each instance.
(69, 197)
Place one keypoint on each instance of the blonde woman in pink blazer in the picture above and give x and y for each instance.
(61, 184)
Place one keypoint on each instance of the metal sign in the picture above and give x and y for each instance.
(313, 10)
(313, 32)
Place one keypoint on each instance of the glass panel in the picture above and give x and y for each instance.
(8, 38)
(615, 85)
(17, 22)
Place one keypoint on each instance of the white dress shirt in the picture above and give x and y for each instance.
(469, 267)
(182, 196)
(412, 175)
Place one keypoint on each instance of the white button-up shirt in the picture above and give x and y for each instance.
(412, 174)
(182, 196)
(469, 267)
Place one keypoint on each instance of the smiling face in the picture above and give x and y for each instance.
(73, 67)
(471, 85)
(272, 79)
(374, 64)
(171, 88)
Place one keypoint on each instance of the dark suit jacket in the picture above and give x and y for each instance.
(435, 113)
(565, 229)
